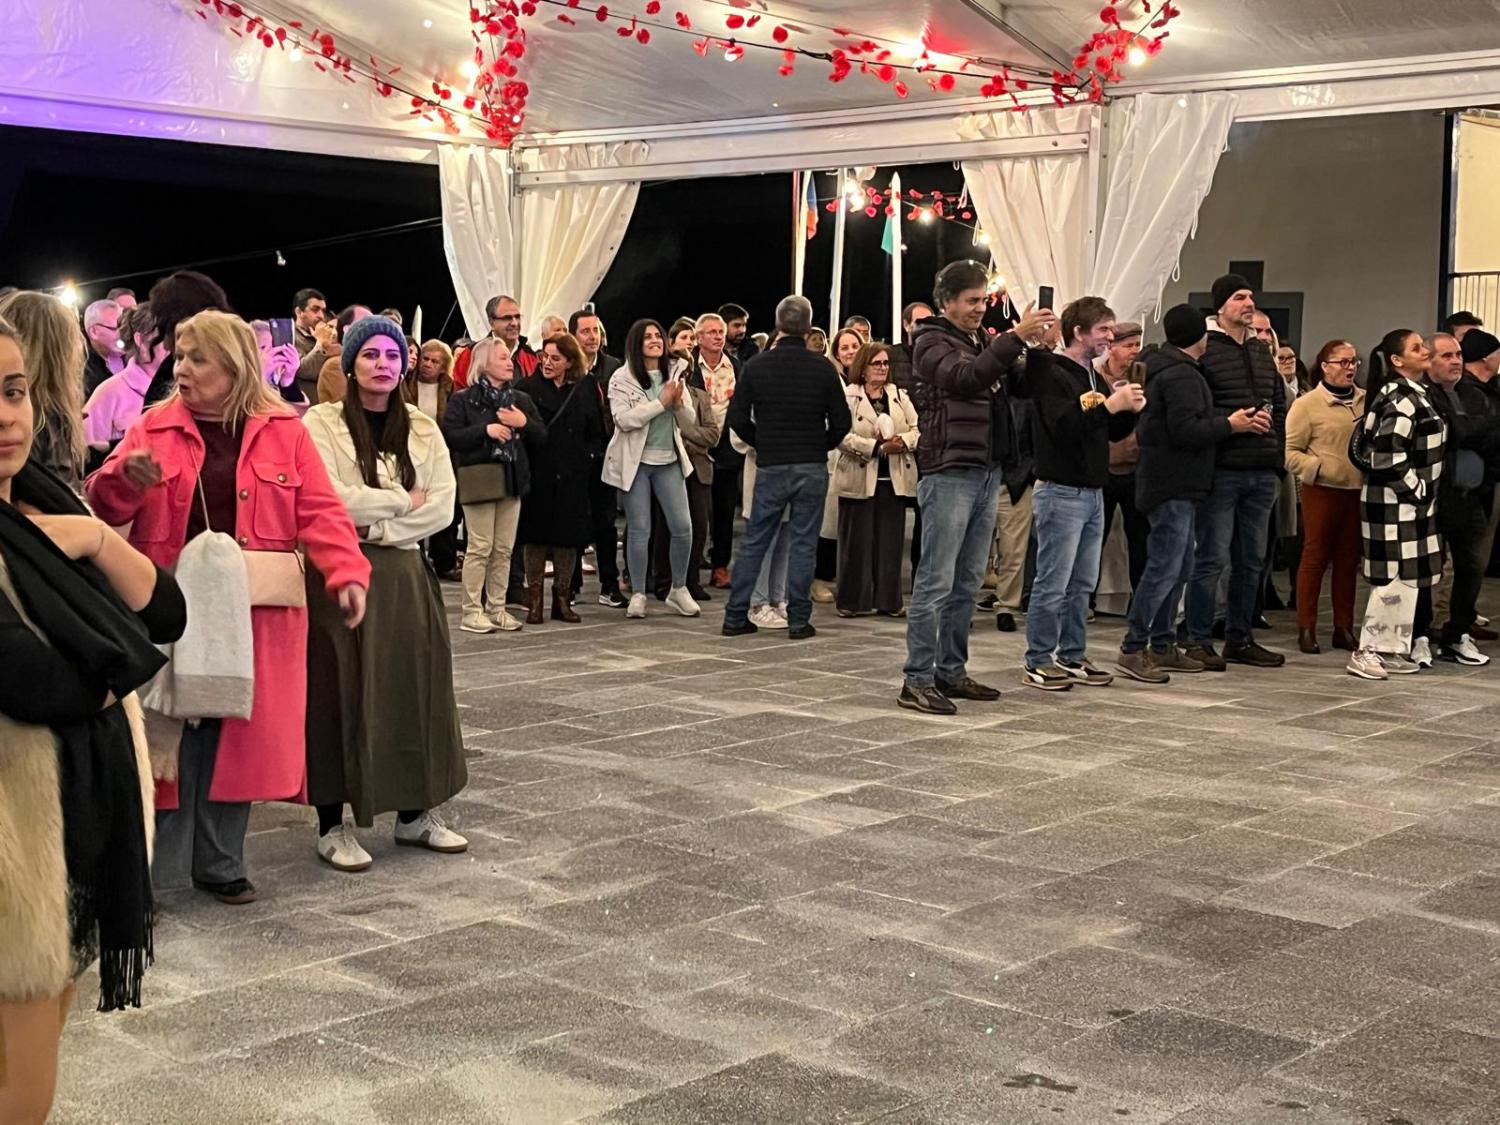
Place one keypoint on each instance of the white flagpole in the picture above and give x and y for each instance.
(416, 326)
(799, 229)
(896, 302)
(836, 299)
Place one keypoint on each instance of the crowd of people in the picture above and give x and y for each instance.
(221, 542)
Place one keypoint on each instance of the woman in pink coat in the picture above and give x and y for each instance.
(263, 482)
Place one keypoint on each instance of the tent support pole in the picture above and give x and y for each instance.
(836, 298)
(896, 287)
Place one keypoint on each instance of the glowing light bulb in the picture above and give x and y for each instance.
(68, 295)
(926, 216)
(469, 69)
(427, 24)
(1137, 56)
(982, 238)
(1182, 102)
(294, 55)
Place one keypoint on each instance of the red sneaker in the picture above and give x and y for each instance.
(720, 579)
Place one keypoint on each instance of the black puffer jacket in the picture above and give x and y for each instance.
(1179, 431)
(1241, 375)
(464, 424)
(958, 385)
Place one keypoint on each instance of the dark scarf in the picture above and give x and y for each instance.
(104, 834)
(494, 398)
(1343, 394)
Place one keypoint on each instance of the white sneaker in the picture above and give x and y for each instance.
(341, 851)
(1399, 664)
(1465, 652)
(780, 610)
(765, 617)
(637, 606)
(822, 592)
(682, 601)
(1366, 665)
(1421, 652)
(476, 623)
(1481, 621)
(428, 831)
(502, 619)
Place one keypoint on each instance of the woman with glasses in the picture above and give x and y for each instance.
(1318, 426)
(874, 471)
(1403, 439)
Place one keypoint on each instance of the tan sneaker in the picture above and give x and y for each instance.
(476, 623)
(502, 620)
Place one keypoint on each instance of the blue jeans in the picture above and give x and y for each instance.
(1169, 565)
(670, 489)
(1069, 526)
(803, 488)
(957, 510)
(770, 584)
(1232, 524)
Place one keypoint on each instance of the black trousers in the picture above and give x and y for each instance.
(869, 551)
(1119, 492)
(603, 512)
(826, 566)
(916, 540)
(1463, 534)
(442, 548)
(700, 500)
(725, 496)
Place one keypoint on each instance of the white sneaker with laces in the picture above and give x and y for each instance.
(765, 617)
(637, 607)
(1399, 664)
(780, 610)
(503, 620)
(1466, 652)
(682, 601)
(428, 831)
(1421, 652)
(1366, 665)
(340, 850)
(476, 623)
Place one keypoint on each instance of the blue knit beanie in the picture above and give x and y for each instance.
(358, 334)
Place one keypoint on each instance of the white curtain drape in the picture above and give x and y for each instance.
(1160, 169)
(1035, 209)
(478, 239)
(570, 235)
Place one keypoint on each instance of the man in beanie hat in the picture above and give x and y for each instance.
(1179, 432)
(1234, 519)
(1481, 356)
(1118, 363)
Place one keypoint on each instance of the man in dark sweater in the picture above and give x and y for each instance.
(1178, 433)
(789, 407)
(958, 383)
(1075, 416)
(1234, 519)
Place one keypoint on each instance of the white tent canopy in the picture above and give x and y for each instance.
(606, 113)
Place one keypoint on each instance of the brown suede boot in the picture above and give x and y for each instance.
(561, 610)
(534, 604)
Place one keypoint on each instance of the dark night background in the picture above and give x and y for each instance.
(79, 206)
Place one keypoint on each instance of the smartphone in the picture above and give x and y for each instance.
(1137, 374)
(281, 331)
(1044, 297)
(1265, 408)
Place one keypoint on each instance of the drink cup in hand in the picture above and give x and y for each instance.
(887, 427)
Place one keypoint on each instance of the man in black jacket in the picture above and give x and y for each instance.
(901, 353)
(586, 327)
(1481, 352)
(1177, 434)
(1076, 414)
(789, 407)
(1234, 519)
(958, 381)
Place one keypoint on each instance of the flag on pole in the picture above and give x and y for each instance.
(810, 193)
(888, 239)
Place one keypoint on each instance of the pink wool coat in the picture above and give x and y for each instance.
(284, 500)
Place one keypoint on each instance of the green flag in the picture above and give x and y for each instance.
(888, 239)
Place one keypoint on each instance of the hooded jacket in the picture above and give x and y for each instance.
(958, 383)
(1179, 431)
(1241, 375)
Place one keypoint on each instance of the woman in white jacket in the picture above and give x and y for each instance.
(382, 724)
(647, 457)
(874, 471)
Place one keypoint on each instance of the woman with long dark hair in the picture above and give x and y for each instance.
(81, 612)
(382, 724)
(1318, 426)
(647, 458)
(48, 333)
(1402, 438)
(556, 519)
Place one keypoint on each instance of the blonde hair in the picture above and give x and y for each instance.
(230, 343)
(479, 355)
(53, 348)
(443, 350)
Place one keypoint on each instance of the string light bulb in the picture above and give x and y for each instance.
(1137, 54)
(926, 215)
(469, 69)
(280, 258)
(982, 237)
(68, 294)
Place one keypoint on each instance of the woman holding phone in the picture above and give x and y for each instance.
(648, 459)
(225, 454)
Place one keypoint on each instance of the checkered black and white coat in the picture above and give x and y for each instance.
(1398, 504)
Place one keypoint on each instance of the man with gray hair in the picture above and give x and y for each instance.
(715, 371)
(789, 407)
(101, 327)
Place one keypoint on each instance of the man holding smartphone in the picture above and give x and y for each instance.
(1233, 522)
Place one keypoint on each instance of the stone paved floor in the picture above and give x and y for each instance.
(721, 880)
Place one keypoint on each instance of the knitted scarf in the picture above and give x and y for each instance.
(494, 398)
(104, 834)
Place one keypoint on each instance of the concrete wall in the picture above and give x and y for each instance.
(1346, 209)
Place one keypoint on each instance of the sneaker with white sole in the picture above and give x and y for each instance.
(637, 606)
(1366, 665)
(612, 598)
(502, 619)
(341, 851)
(1085, 673)
(1399, 664)
(476, 623)
(428, 831)
(1049, 677)
(780, 610)
(1466, 652)
(682, 601)
(766, 617)
(1421, 652)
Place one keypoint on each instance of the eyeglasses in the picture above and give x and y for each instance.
(878, 363)
(1345, 363)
